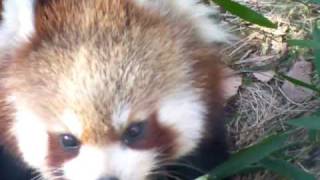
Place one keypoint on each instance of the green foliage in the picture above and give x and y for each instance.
(314, 1)
(300, 83)
(245, 13)
(313, 44)
(258, 157)
(286, 169)
(310, 122)
(316, 48)
(304, 43)
(246, 157)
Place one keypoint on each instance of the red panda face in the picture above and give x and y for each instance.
(131, 142)
(105, 89)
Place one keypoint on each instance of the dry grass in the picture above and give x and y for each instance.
(262, 107)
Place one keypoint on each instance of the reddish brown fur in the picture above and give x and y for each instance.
(91, 135)
(57, 155)
(61, 17)
(157, 136)
(210, 76)
(117, 27)
(6, 123)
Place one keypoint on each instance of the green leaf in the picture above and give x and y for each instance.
(251, 169)
(310, 122)
(313, 135)
(304, 43)
(300, 83)
(316, 37)
(203, 178)
(244, 158)
(245, 13)
(246, 170)
(314, 1)
(313, 44)
(286, 169)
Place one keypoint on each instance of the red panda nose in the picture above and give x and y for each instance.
(108, 178)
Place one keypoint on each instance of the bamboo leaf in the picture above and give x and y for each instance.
(310, 122)
(316, 38)
(244, 158)
(286, 169)
(203, 178)
(315, 1)
(313, 135)
(304, 43)
(245, 13)
(300, 83)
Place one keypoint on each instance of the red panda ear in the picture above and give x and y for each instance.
(194, 11)
(17, 24)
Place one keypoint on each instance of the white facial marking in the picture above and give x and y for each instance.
(18, 23)
(114, 160)
(130, 164)
(197, 12)
(120, 116)
(72, 122)
(184, 112)
(32, 137)
(88, 165)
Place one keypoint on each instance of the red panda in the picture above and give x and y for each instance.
(112, 89)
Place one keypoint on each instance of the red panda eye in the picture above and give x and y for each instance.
(134, 133)
(69, 142)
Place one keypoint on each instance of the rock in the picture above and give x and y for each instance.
(301, 70)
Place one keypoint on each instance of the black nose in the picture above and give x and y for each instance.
(108, 178)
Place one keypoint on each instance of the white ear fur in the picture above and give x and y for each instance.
(185, 112)
(197, 12)
(17, 25)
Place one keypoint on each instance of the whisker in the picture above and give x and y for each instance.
(52, 173)
(183, 165)
(164, 161)
(165, 174)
